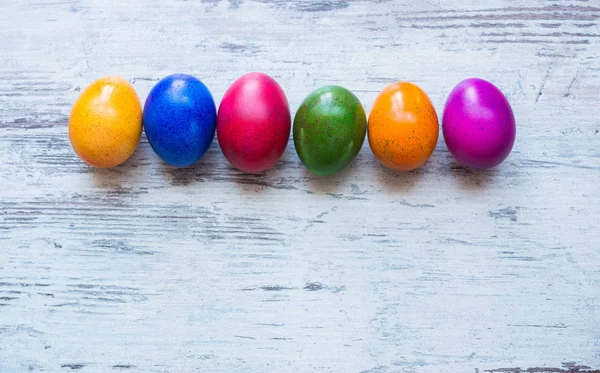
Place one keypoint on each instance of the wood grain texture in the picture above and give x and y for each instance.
(146, 268)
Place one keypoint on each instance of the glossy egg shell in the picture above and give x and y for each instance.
(329, 129)
(253, 123)
(478, 124)
(403, 127)
(180, 119)
(105, 124)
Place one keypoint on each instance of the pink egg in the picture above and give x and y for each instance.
(478, 124)
(253, 123)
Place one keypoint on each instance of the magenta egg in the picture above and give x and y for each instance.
(478, 124)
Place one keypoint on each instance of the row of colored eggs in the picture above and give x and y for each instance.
(253, 124)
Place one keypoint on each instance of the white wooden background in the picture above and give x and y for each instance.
(147, 268)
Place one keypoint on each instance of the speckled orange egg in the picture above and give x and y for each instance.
(106, 122)
(403, 127)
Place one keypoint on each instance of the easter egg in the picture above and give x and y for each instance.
(478, 124)
(329, 129)
(180, 119)
(253, 123)
(403, 127)
(105, 124)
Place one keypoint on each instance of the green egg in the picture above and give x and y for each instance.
(329, 129)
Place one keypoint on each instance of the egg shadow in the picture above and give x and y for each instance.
(279, 176)
(117, 177)
(329, 185)
(467, 178)
(110, 178)
(470, 179)
(205, 168)
(399, 181)
(251, 183)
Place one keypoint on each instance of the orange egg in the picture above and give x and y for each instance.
(403, 127)
(106, 122)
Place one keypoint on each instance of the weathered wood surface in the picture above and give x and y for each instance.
(146, 268)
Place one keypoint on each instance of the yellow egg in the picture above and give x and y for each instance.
(105, 125)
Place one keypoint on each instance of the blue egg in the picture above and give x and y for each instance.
(180, 119)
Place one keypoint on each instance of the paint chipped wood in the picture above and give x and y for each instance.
(147, 268)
